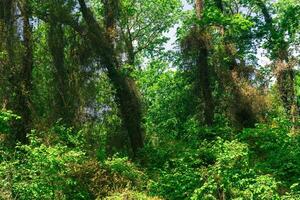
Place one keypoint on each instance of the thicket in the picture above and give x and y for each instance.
(97, 104)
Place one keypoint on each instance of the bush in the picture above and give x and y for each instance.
(231, 176)
(179, 176)
(274, 151)
(130, 195)
(54, 165)
(6, 117)
(37, 171)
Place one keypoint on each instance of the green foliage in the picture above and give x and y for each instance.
(66, 135)
(288, 17)
(38, 171)
(87, 156)
(132, 195)
(62, 170)
(274, 150)
(217, 169)
(146, 22)
(178, 178)
(6, 117)
(125, 168)
(231, 176)
(165, 89)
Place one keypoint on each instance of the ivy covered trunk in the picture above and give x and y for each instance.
(24, 97)
(18, 68)
(285, 74)
(204, 82)
(205, 85)
(126, 92)
(130, 107)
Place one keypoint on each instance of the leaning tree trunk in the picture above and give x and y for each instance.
(130, 107)
(126, 93)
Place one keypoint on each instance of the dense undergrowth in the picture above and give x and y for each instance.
(182, 158)
(149, 99)
(257, 163)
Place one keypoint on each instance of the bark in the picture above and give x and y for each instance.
(286, 87)
(9, 11)
(19, 75)
(203, 70)
(199, 8)
(111, 14)
(129, 47)
(24, 88)
(126, 92)
(17, 71)
(205, 85)
(6, 35)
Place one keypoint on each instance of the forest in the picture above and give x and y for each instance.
(149, 99)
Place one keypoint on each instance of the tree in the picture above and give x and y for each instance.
(196, 44)
(278, 45)
(19, 64)
(104, 42)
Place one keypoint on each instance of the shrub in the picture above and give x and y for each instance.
(179, 176)
(231, 176)
(126, 169)
(38, 171)
(274, 151)
(6, 117)
(130, 195)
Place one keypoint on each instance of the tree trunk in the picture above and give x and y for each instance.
(219, 4)
(4, 18)
(8, 57)
(199, 8)
(204, 83)
(203, 69)
(285, 74)
(126, 92)
(17, 75)
(23, 91)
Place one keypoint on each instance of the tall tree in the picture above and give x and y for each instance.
(23, 93)
(196, 45)
(279, 50)
(235, 70)
(129, 102)
(18, 68)
(104, 42)
(203, 68)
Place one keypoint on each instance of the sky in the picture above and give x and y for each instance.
(170, 45)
